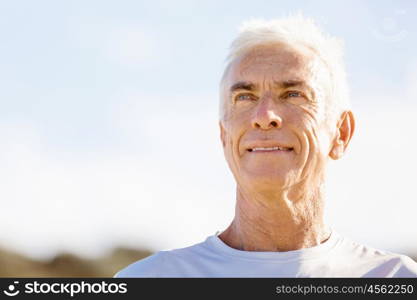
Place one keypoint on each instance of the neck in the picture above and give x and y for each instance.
(285, 220)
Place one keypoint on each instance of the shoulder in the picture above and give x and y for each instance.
(378, 263)
(399, 265)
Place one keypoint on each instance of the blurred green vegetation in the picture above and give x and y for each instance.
(68, 265)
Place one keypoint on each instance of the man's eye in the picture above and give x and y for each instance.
(293, 94)
(245, 97)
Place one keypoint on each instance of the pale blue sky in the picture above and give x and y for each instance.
(89, 89)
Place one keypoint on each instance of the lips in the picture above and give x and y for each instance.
(263, 149)
(267, 146)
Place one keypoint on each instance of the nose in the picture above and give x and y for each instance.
(266, 115)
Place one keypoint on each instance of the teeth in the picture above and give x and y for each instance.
(269, 149)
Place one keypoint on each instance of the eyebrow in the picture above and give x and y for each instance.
(243, 85)
(249, 86)
(291, 83)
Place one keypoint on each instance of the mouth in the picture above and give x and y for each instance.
(270, 149)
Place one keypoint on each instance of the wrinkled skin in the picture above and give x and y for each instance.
(279, 96)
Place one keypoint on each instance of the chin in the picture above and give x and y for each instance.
(273, 180)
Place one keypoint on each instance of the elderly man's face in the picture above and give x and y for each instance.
(274, 131)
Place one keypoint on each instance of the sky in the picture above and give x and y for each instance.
(109, 132)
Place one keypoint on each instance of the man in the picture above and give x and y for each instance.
(284, 114)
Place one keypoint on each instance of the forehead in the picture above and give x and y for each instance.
(275, 62)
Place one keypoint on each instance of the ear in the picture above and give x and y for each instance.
(345, 130)
(222, 134)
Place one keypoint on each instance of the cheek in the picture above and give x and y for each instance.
(231, 141)
(317, 138)
(308, 123)
(302, 118)
(238, 121)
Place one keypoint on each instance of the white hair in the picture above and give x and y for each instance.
(294, 30)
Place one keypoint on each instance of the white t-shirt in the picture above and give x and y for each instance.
(337, 257)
